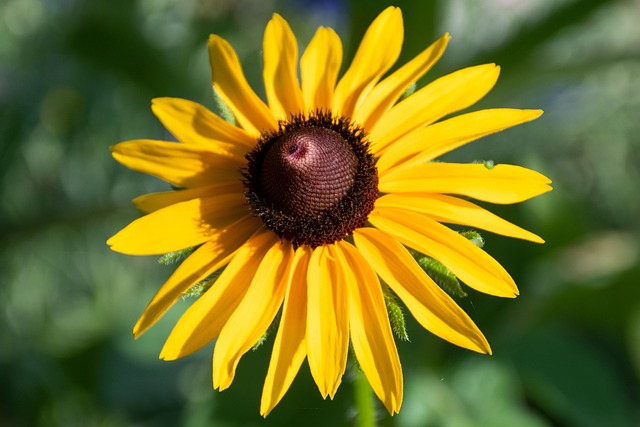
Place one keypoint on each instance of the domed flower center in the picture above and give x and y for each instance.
(307, 170)
(313, 181)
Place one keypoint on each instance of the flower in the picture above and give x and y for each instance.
(309, 205)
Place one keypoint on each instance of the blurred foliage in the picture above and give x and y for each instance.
(76, 77)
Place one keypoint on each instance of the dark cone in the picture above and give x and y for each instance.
(307, 171)
(313, 181)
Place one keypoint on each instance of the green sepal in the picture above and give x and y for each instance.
(487, 163)
(223, 109)
(202, 286)
(266, 334)
(440, 274)
(396, 315)
(177, 256)
(261, 340)
(475, 237)
(410, 91)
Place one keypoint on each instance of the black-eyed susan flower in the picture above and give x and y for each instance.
(310, 205)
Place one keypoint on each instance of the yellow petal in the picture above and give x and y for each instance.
(179, 226)
(290, 346)
(468, 262)
(503, 184)
(204, 320)
(192, 123)
(378, 51)
(453, 210)
(253, 315)
(371, 335)
(185, 165)
(319, 67)
(280, 58)
(327, 320)
(430, 305)
(425, 144)
(152, 202)
(446, 95)
(206, 260)
(387, 92)
(228, 79)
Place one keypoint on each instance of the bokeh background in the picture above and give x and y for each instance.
(78, 76)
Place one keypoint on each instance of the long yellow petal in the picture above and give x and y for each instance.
(430, 305)
(467, 261)
(253, 315)
(206, 260)
(453, 210)
(204, 320)
(444, 96)
(192, 123)
(280, 62)
(371, 335)
(425, 144)
(228, 79)
(290, 346)
(319, 67)
(186, 165)
(502, 184)
(378, 51)
(179, 226)
(327, 320)
(152, 202)
(387, 92)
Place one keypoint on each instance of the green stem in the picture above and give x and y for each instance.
(364, 400)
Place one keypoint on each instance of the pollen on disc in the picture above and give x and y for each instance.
(308, 170)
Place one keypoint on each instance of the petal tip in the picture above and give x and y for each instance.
(168, 354)
(277, 16)
(139, 328)
(214, 40)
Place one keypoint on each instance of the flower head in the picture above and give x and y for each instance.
(311, 204)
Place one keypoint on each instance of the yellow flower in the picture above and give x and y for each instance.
(311, 202)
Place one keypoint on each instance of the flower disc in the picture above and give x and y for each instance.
(313, 181)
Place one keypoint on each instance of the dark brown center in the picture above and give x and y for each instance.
(313, 181)
(307, 171)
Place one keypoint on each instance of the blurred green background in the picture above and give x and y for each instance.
(78, 76)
